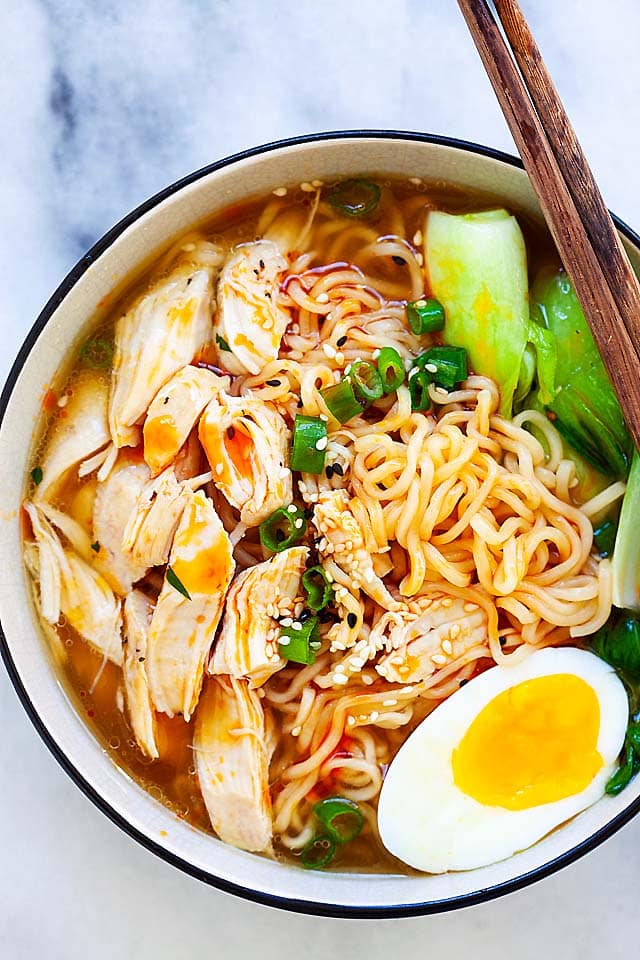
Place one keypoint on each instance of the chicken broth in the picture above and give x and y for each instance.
(233, 674)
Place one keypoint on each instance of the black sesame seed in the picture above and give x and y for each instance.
(140, 659)
(304, 616)
(352, 620)
(503, 640)
(462, 682)
(273, 383)
(329, 472)
(262, 264)
(340, 342)
(401, 262)
(337, 469)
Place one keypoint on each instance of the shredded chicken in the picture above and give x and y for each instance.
(69, 586)
(342, 541)
(183, 628)
(250, 321)
(232, 758)
(162, 332)
(138, 610)
(174, 412)
(429, 634)
(248, 641)
(80, 433)
(115, 501)
(154, 519)
(247, 442)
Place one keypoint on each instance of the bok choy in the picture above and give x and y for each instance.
(626, 553)
(477, 268)
(581, 400)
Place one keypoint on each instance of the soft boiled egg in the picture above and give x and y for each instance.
(507, 758)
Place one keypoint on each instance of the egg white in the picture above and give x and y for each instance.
(429, 823)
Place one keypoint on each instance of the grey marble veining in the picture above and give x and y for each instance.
(104, 102)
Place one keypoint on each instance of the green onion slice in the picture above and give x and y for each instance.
(283, 528)
(425, 316)
(604, 537)
(318, 852)
(367, 382)
(309, 446)
(177, 583)
(341, 400)
(341, 817)
(391, 369)
(355, 198)
(446, 366)
(319, 590)
(36, 475)
(222, 343)
(419, 390)
(97, 353)
(300, 643)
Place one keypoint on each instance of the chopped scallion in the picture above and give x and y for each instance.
(419, 390)
(342, 818)
(450, 365)
(319, 590)
(309, 446)
(318, 852)
(97, 353)
(283, 528)
(355, 198)
(222, 343)
(300, 642)
(177, 583)
(36, 475)
(367, 383)
(391, 369)
(341, 400)
(425, 316)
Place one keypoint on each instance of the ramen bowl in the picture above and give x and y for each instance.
(67, 316)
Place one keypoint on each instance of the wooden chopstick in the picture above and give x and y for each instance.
(598, 300)
(573, 165)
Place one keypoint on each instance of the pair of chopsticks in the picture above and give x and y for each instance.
(576, 214)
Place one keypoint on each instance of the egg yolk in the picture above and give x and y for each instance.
(534, 743)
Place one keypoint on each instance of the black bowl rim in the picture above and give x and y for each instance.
(298, 906)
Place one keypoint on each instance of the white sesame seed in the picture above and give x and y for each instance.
(63, 401)
(447, 646)
(415, 180)
(375, 354)
(219, 469)
(455, 631)
(447, 602)
(351, 721)
(284, 473)
(306, 187)
(328, 350)
(340, 678)
(339, 357)
(296, 731)
(389, 703)
(322, 297)
(374, 716)
(280, 192)
(298, 523)
(366, 679)
(438, 659)
(292, 508)
(286, 621)
(284, 641)
(470, 606)
(323, 417)
(431, 367)
(321, 444)
(417, 238)
(340, 668)
(421, 303)
(420, 258)
(317, 183)
(441, 391)
(413, 372)
(296, 625)
(302, 486)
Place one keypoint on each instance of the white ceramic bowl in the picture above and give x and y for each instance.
(59, 327)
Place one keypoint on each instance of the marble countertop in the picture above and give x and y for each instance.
(105, 103)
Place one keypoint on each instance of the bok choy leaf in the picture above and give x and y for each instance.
(477, 268)
(579, 396)
(626, 553)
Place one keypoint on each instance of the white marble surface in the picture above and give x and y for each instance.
(103, 104)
